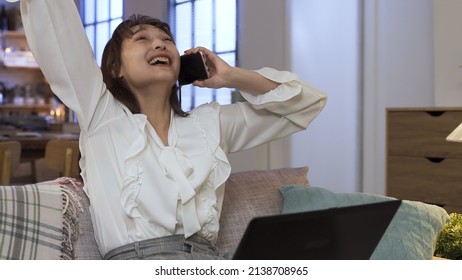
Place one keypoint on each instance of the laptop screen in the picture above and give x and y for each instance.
(345, 233)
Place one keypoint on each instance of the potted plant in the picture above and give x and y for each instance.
(449, 241)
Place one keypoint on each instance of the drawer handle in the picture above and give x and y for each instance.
(435, 159)
(435, 113)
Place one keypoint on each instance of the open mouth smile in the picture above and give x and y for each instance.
(159, 60)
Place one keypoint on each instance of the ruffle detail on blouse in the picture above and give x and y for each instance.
(131, 185)
(206, 117)
(208, 121)
(180, 170)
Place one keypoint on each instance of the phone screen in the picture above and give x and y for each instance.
(193, 67)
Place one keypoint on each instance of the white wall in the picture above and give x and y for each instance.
(346, 146)
(157, 9)
(398, 72)
(448, 52)
(262, 42)
(325, 51)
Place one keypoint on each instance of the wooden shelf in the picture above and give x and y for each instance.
(43, 109)
(21, 68)
(14, 34)
(26, 107)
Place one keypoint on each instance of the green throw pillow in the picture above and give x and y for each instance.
(411, 234)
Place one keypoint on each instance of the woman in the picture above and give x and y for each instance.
(154, 174)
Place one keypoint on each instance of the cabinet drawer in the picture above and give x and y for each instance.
(421, 179)
(453, 209)
(423, 133)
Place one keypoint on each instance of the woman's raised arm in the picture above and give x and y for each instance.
(57, 39)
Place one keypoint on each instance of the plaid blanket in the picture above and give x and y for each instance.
(39, 221)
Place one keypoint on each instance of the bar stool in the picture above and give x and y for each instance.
(63, 156)
(10, 155)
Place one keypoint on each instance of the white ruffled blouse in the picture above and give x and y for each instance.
(138, 187)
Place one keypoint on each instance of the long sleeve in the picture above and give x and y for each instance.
(289, 108)
(58, 42)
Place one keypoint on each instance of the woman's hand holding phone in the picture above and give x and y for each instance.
(215, 66)
(222, 75)
(193, 67)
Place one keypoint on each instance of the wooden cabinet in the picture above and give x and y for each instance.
(421, 164)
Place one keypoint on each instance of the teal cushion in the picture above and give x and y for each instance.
(411, 235)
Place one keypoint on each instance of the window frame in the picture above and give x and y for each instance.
(172, 13)
(95, 23)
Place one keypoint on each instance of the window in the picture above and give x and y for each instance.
(100, 18)
(211, 24)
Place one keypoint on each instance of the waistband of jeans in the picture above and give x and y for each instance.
(176, 239)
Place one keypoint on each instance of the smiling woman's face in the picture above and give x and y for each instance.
(136, 43)
(149, 56)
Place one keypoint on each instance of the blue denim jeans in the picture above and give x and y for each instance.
(173, 247)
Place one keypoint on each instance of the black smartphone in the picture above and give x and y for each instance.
(193, 67)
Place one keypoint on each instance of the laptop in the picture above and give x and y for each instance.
(344, 233)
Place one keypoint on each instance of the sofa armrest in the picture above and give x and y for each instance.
(38, 221)
(86, 247)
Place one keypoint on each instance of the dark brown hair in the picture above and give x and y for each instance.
(111, 63)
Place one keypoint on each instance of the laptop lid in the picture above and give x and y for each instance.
(344, 233)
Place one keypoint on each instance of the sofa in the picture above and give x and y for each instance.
(50, 220)
(247, 194)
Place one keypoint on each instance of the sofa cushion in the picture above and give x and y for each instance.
(411, 234)
(253, 193)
